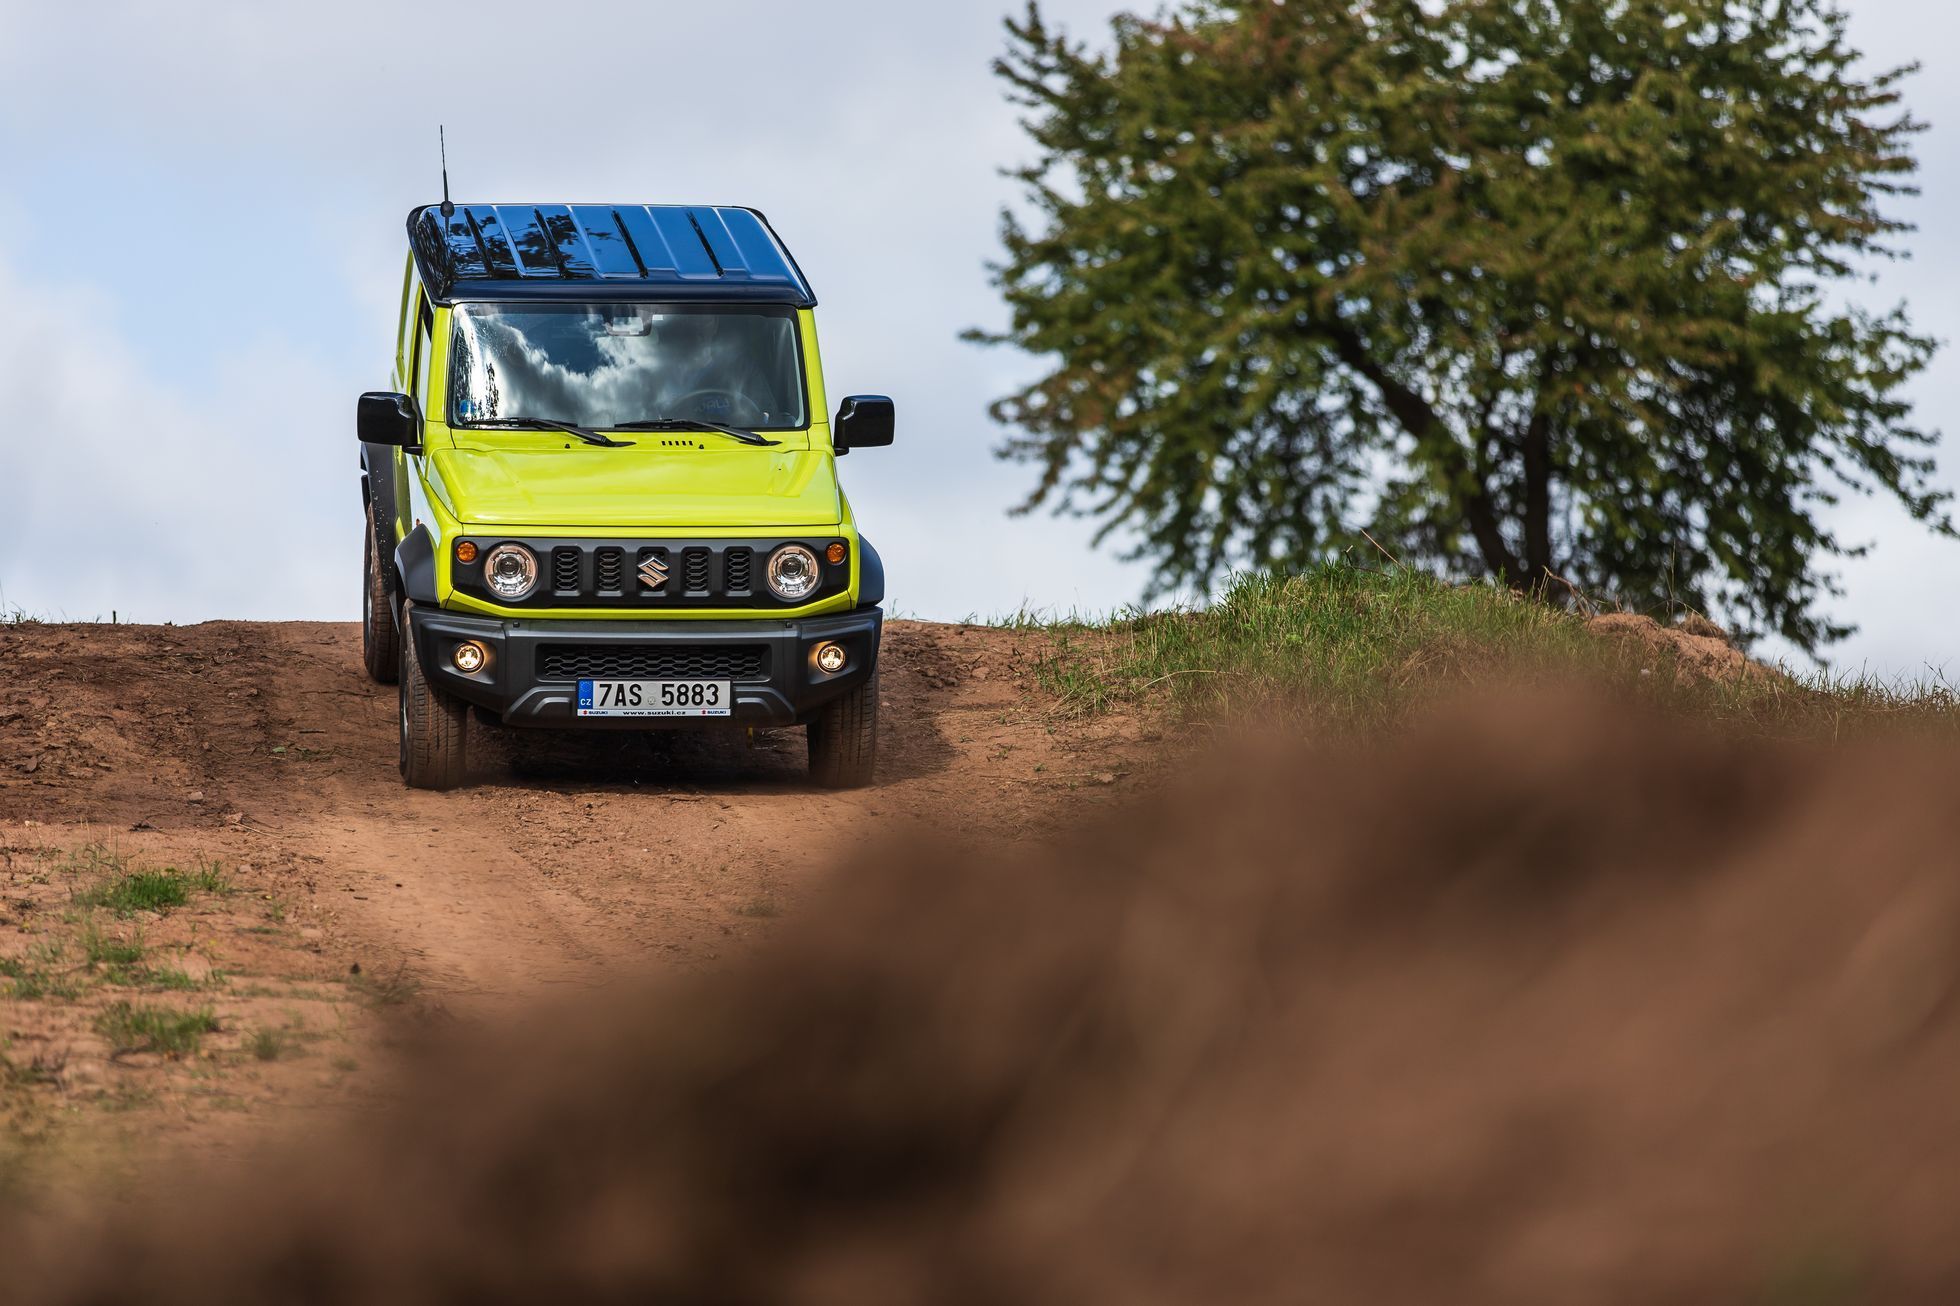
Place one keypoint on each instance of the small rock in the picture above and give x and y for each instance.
(195, 796)
(1105, 779)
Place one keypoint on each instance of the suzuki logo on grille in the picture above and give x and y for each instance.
(653, 572)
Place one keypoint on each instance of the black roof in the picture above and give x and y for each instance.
(603, 251)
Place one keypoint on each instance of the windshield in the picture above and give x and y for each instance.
(605, 365)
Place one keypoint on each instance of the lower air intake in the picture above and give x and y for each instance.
(685, 662)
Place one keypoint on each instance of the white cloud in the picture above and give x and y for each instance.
(127, 498)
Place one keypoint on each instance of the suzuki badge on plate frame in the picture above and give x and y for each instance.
(655, 698)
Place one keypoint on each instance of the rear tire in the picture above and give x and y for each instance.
(434, 727)
(844, 739)
(381, 636)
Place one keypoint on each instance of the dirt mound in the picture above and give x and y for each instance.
(1697, 646)
(1516, 1012)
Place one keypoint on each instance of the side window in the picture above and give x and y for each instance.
(424, 346)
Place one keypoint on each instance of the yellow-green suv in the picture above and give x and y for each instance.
(603, 494)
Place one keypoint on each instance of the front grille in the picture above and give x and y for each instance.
(611, 570)
(692, 574)
(625, 662)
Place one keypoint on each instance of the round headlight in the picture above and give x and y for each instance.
(792, 573)
(511, 571)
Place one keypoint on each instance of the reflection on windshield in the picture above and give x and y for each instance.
(603, 365)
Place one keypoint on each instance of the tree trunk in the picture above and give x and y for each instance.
(1537, 502)
(1419, 420)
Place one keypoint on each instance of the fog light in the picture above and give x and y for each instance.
(830, 657)
(466, 551)
(469, 657)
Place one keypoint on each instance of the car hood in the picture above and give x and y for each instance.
(658, 487)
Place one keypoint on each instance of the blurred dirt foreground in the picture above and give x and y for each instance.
(1539, 1004)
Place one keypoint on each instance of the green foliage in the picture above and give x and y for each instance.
(267, 1045)
(41, 974)
(132, 1028)
(1531, 290)
(1353, 645)
(1338, 647)
(120, 960)
(154, 891)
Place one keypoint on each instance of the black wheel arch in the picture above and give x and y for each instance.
(871, 575)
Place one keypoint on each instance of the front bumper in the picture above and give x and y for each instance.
(531, 678)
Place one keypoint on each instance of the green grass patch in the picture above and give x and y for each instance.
(132, 1028)
(169, 979)
(1350, 647)
(159, 891)
(42, 974)
(266, 1045)
(100, 951)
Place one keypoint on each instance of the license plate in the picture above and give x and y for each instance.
(655, 698)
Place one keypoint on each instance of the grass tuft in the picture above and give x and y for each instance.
(396, 990)
(267, 1045)
(41, 974)
(100, 951)
(157, 891)
(130, 1028)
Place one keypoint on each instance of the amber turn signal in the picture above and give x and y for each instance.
(835, 553)
(466, 552)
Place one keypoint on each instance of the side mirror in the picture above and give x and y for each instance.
(863, 422)
(387, 418)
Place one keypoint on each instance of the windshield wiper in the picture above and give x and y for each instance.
(548, 424)
(696, 424)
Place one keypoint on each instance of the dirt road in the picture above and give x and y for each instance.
(262, 750)
(264, 745)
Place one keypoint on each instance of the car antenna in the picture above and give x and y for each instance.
(442, 143)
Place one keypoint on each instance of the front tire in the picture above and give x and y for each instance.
(381, 636)
(844, 739)
(434, 726)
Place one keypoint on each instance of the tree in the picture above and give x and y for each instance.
(1545, 290)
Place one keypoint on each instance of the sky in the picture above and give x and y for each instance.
(178, 402)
